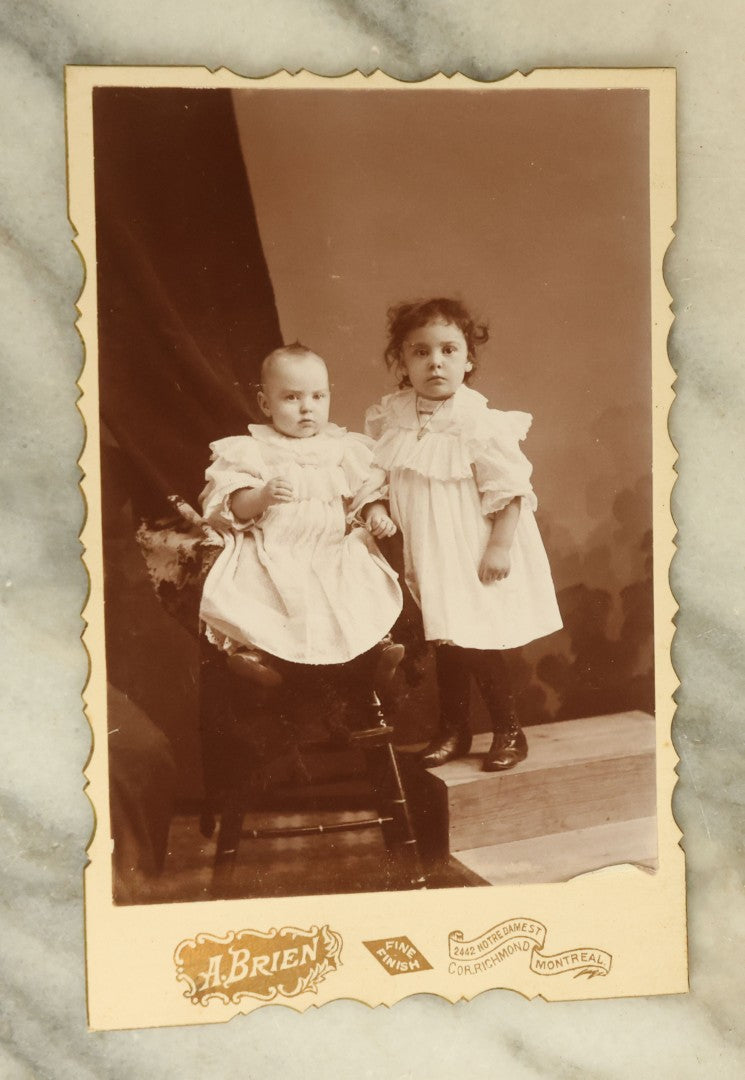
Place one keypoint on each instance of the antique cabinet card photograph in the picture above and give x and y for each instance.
(377, 476)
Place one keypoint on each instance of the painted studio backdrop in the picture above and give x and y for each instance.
(230, 221)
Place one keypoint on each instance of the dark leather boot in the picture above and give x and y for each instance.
(446, 747)
(507, 749)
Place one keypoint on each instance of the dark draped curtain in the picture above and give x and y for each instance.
(186, 312)
(186, 307)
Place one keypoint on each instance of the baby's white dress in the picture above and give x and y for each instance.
(466, 465)
(296, 582)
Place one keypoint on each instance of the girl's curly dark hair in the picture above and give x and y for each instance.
(403, 318)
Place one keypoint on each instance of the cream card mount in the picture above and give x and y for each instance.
(220, 219)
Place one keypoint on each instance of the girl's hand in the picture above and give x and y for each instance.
(379, 523)
(276, 491)
(495, 565)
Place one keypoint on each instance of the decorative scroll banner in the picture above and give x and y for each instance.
(515, 936)
(250, 963)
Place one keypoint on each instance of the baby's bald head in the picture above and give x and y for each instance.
(295, 391)
(279, 363)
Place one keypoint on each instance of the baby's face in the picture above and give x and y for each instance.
(435, 357)
(295, 395)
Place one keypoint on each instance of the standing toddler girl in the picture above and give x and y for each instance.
(460, 491)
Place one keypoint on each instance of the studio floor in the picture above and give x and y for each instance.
(334, 863)
(583, 800)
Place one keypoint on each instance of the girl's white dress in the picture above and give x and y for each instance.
(296, 582)
(466, 465)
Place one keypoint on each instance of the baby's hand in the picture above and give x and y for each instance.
(379, 523)
(276, 491)
(495, 565)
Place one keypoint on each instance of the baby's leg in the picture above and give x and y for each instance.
(352, 704)
(255, 665)
(389, 656)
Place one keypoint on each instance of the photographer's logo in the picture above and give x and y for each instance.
(526, 937)
(250, 963)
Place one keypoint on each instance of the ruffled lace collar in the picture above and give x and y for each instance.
(465, 404)
(265, 433)
(444, 447)
(324, 448)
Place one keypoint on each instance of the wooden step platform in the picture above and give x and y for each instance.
(584, 798)
(562, 856)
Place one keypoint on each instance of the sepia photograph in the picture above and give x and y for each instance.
(376, 467)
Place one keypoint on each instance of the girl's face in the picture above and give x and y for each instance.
(295, 395)
(435, 357)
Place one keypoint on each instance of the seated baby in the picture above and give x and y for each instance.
(298, 505)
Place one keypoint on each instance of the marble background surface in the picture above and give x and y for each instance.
(46, 820)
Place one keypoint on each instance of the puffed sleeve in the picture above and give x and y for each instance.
(378, 416)
(374, 421)
(366, 483)
(236, 463)
(501, 469)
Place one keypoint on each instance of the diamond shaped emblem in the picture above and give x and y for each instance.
(398, 955)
